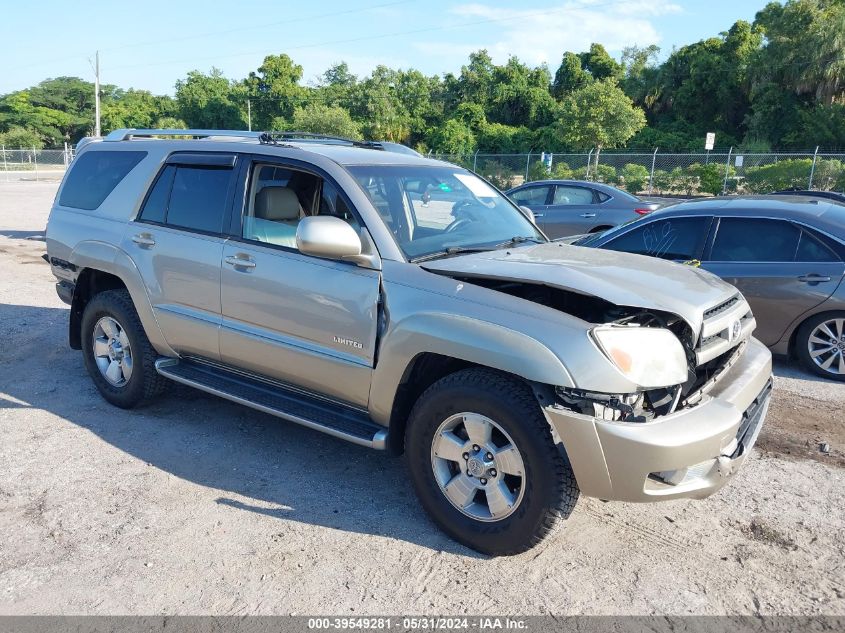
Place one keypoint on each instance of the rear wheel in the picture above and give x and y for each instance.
(118, 356)
(820, 345)
(484, 464)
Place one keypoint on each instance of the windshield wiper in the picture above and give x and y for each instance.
(457, 250)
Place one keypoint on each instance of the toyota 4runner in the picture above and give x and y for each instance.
(404, 304)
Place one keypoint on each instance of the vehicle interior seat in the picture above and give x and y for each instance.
(277, 214)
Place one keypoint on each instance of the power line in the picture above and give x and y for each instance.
(371, 36)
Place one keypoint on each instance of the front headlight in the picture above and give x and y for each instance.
(650, 357)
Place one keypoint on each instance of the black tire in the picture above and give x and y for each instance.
(549, 487)
(802, 348)
(145, 382)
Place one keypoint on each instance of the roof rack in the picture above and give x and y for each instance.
(272, 138)
(126, 134)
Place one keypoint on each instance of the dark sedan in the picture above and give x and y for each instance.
(786, 255)
(570, 207)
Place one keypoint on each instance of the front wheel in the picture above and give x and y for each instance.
(820, 345)
(484, 464)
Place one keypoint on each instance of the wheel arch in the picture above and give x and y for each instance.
(105, 267)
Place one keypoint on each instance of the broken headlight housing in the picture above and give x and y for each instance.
(648, 356)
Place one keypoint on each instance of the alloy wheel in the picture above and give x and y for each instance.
(478, 466)
(112, 351)
(826, 346)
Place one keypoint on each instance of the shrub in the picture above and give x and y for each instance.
(635, 177)
(499, 175)
(605, 174)
(829, 175)
(711, 177)
(793, 172)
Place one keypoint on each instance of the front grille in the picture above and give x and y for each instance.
(752, 419)
(721, 307)
(723, 327)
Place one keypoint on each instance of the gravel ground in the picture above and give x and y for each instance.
(194, 505)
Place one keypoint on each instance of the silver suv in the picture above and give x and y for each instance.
(404, 304)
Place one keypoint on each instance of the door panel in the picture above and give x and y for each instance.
(572, 211)
(306, 321)
(775, 291)
(181, 272)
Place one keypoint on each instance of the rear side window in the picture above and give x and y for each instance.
(572, 195)
(94, 175)
(189, 197)
(812, 250)
(755, 240)
(672, 238)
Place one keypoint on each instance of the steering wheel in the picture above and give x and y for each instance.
(460, 211)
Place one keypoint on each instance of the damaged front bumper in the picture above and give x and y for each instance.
(690, 453)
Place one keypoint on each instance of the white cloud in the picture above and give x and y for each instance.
(542, 35)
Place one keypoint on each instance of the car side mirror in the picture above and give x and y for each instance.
(328, 237)
(528, 213)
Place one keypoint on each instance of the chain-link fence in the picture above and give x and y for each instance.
(33, 164)
(663, 173)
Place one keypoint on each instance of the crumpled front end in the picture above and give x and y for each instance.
(691, 452)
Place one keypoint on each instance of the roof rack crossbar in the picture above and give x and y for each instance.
(125, 134)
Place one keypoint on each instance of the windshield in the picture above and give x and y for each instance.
(441, 210)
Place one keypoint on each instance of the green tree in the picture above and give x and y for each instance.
(598, 115)
(273, 90)
(21, 138)
(206, 101)
(634, 177)
(569, 76)
(598, 62)
(323, 119)
(453, 137)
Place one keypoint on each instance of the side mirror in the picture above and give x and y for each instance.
(327, 236)
(528, 213)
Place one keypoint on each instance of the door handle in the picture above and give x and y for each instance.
(813, 278)
(538, 215)
(240, 262)
(144, 239)
(588, 215)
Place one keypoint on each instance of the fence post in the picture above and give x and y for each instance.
(527, 165)
(651, 177)
(35, 158)
(813, 168)
(727, 170)
(589, 161)
(5, 166)
(475, 161)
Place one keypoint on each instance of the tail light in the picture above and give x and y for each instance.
(642, 211)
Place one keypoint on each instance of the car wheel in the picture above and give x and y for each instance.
(820, 345)
(117, 353)
(484, 464)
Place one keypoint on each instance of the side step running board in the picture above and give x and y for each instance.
(334, 419)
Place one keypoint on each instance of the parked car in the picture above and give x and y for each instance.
(784, 254)
(403, 304)
(811, 193)
(570, 207)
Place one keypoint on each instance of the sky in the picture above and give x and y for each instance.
(150, 44)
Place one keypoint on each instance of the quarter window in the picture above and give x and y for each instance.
(94, 175)
(811, 249)
(671, 238)
(755, 240)
(531, 195)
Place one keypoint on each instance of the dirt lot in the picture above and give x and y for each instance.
(195, 505)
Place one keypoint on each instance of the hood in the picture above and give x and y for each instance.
(620, 278)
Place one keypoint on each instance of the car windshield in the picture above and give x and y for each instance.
(435, 211)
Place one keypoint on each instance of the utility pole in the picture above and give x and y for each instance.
(249, 114)
(96, 93)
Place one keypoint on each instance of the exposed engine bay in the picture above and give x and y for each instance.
(641, 406)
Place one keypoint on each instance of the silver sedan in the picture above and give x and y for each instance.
(572, 207)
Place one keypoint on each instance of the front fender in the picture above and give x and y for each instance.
(461, 337)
